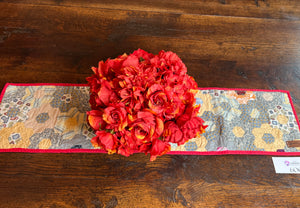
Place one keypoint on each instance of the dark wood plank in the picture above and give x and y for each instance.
(234, 44)
(277, 9)
(81, 180)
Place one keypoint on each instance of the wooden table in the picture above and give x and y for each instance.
(224, 43)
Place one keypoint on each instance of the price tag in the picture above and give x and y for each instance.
(289, 165)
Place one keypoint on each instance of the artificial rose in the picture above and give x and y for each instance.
(190, 124)
(170, 61)
(145, 147)
(189, 113)
(94, 83)
(94, 100)
(144, 56)
(106, 94)
(128, 144)
(131, 62)
(192, 128)
(115, 116)
(157, 99)
(174, 108)
(95, 119)
(190, 83)
(172, 132)
(133, 98)
(103, 70)
(106, 140)
(159, 148)
(146, 126)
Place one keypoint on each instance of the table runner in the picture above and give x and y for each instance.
(51, 118)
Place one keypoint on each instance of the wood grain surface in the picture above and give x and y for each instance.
(224, 43)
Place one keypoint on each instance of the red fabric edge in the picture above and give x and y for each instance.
(241, 89)
(227, 152)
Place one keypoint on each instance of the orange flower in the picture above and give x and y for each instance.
(133, 98)
(159, 148)
(174, 108)
(115, 116)
(157, 98)
(146, 126)
(105, 140)
(172, 132)
(95, 120)
(190, 124)
(127, 143)
(106, 93)
(171, 61)
(192, 128)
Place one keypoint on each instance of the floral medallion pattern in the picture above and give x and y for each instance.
(54, 117)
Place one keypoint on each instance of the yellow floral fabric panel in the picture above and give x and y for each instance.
(245, 121)
(45, 117)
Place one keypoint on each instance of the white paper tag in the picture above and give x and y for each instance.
(287, 164)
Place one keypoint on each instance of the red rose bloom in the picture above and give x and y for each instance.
(133, 98)
(95, 119)
(192, 128)
(115, 116)
(144, 56)
(157, 99)
(146, 126)
(106, 140)
(170, 61)
(159, 148)
(172, 132)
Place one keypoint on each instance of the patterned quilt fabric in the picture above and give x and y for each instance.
(49, 117)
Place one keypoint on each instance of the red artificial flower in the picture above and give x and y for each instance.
(174, 108)
(143, 102)
(190, 124)
(106, 93)
(170, 61)
(94, 83)
(157, 98)
(159, 148)
(144, 56)
(172, 132)
(131, 65)
(146, 126)
(192, 128)
(115, 116)
(190, 112)
(95, 119)
(132, 98)
(128, 144)
(106, 140)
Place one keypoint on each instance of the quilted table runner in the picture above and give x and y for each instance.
(52, 118)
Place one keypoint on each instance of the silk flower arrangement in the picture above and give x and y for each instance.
(141, 102)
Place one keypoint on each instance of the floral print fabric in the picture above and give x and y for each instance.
(54, 117)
